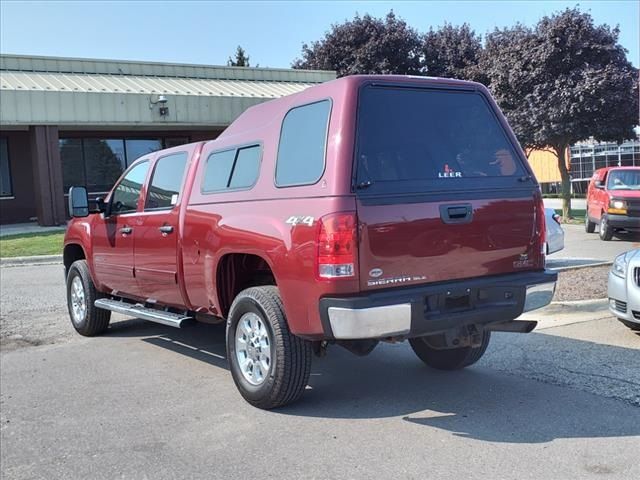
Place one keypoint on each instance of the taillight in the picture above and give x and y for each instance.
(337, 245)
(541, 227)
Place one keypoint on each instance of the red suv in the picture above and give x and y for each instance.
(613, 201)
(367, 209)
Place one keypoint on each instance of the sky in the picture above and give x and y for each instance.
(271, 32)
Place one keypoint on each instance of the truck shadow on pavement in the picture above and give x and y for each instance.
(514, 394)
(196, 340)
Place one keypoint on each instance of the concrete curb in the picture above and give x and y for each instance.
(4, 232)
(578, 267)
(587, 304)
(35, 260)
(558, 314)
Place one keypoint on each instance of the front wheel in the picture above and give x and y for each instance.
(589, 226)
(452, 358)
(606, 232)
(81, 293)
(270, 366)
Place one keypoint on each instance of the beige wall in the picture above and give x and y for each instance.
(545, 165)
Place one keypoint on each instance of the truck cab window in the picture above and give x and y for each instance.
(166, 181)
(126, 194)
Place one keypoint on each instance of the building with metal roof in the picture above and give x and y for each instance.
(63, 119)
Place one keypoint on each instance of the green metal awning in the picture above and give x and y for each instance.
(57, 91)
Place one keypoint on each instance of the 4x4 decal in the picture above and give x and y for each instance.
(300, 219)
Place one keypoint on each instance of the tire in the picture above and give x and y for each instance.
(589, 226)
(81, 293)
(606, 232)
(256, 329)
(633, 326)
(449, 359)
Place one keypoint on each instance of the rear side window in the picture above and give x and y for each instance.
(166, 181)
(245, 170)
(218, 171)
(232, 169)
(407, 136)
(303, 138)
(127, 192)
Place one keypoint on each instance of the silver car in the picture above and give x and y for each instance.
(624, 288)
(555, 234)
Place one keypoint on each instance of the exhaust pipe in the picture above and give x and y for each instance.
(515, 326)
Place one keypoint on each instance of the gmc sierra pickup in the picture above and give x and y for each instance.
(366, 209)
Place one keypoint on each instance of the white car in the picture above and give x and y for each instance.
(624, 288)
(555, 234)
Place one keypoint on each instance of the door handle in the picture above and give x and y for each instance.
(456, 213)
(126, 230)
(166, 229)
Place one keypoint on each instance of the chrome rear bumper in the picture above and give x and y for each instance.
(433, 308)
(373, 322)
(539, 296)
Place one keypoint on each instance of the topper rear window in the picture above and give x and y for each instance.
(419, 137)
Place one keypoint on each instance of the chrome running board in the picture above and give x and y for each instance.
(140, 311)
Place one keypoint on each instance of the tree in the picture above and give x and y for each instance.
(453, 52)
(365, 45)
(564, 81)
(241, 60)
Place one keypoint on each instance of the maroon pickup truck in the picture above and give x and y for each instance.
(366, 209)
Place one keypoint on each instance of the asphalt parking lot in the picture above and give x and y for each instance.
(581, 245)
(148, 401)
(578, 244)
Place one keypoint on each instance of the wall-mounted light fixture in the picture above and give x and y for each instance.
(159, 100)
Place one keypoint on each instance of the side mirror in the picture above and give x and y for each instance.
(100, 206)
(78, 202)
(599, 184)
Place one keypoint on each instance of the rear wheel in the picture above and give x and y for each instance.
(449, 359)
(81, 293)
(270, 366)
(589, 226)
(606, 232)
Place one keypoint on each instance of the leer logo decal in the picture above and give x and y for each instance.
(449, 173)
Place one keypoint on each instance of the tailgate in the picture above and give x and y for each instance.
(443, 190)
(409, 243)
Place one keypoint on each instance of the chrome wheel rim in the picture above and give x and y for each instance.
(253, 348)
(78, 301)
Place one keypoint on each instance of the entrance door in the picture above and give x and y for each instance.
(113, 236)
(156, 245)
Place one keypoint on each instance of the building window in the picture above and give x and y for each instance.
(5, 170)
(302, 145)
(175, 141)
(586, 158)
(136, 148)
(104, 162)
(72, 163)
(97, 163)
